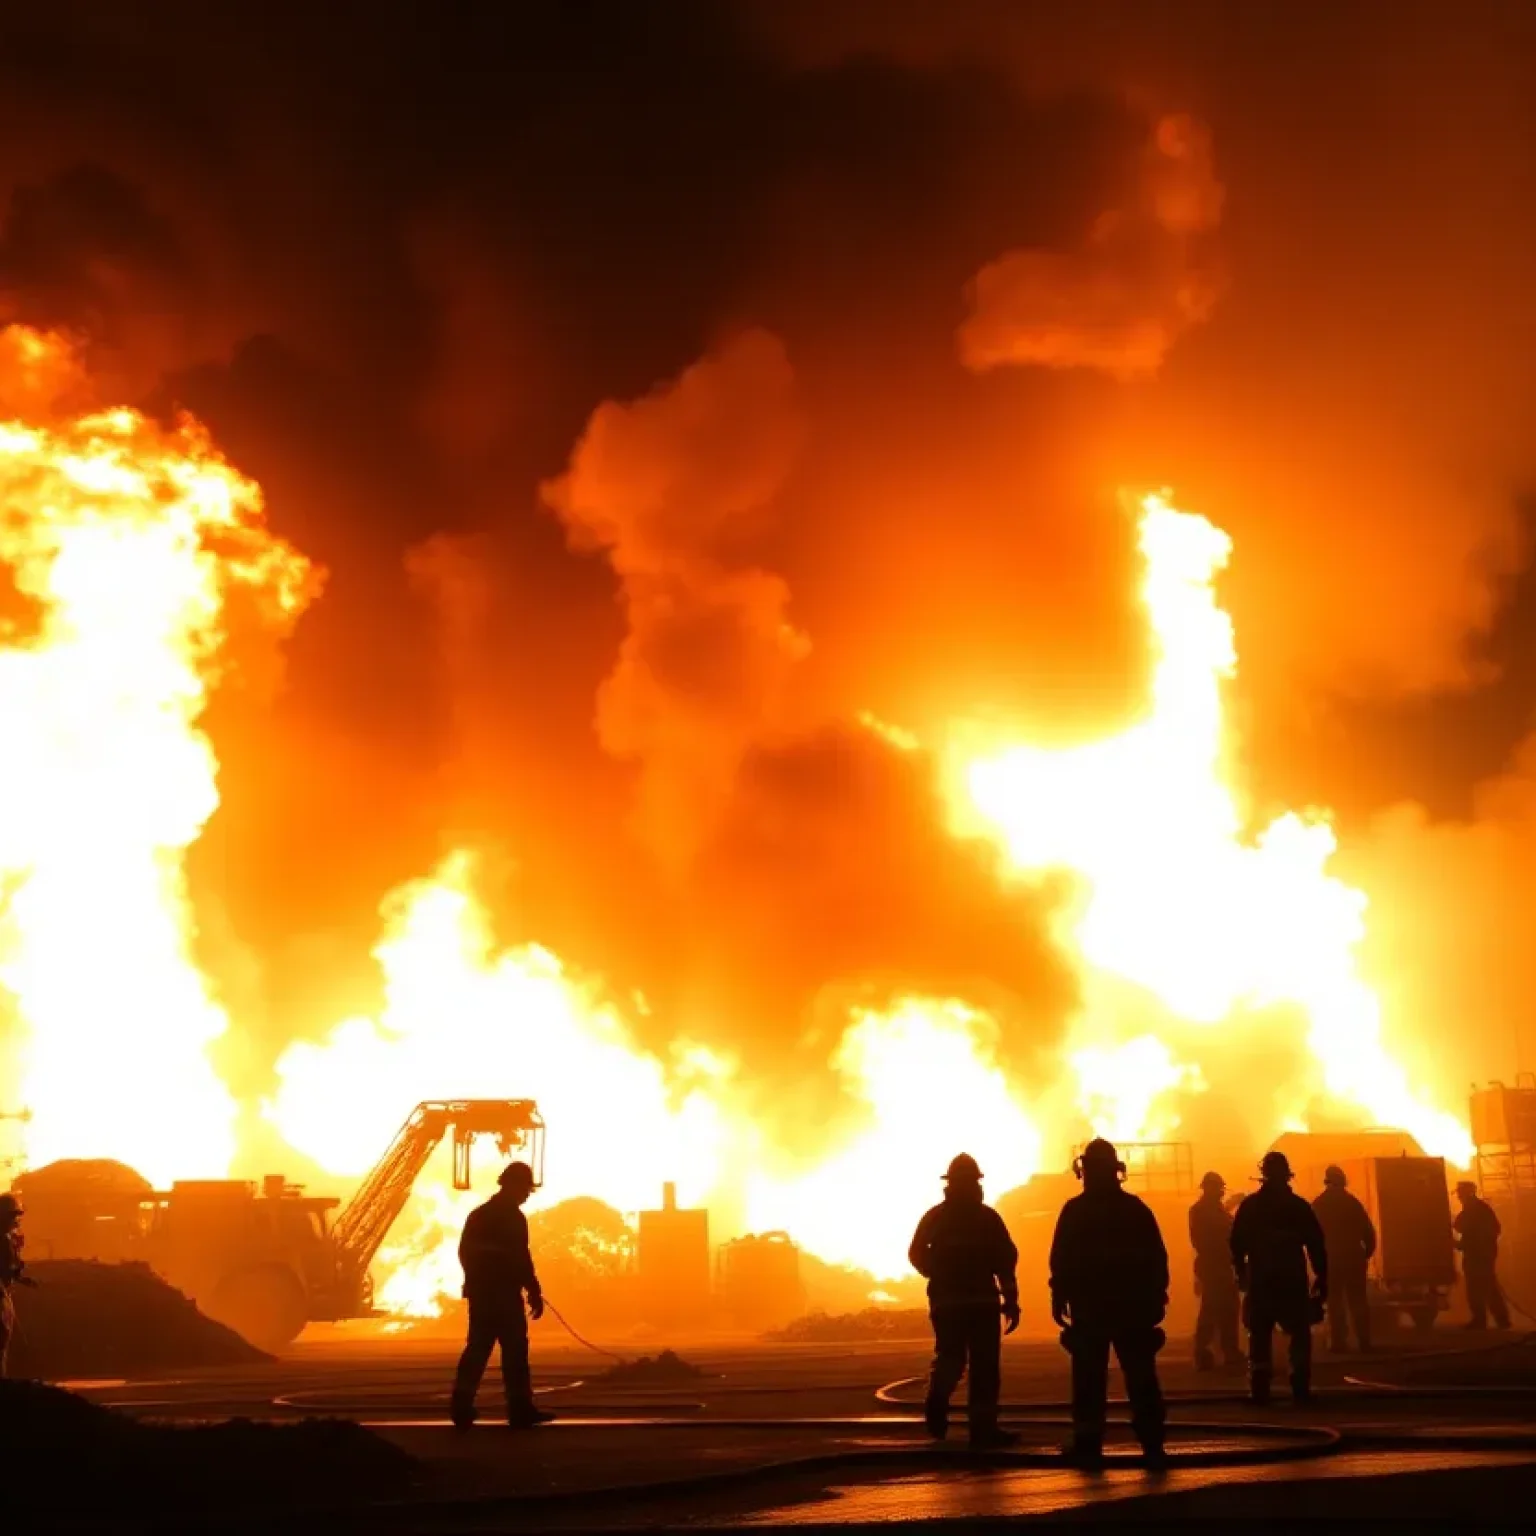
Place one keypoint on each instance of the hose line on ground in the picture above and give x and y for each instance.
(596, 1349)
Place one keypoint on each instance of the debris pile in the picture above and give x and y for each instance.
(854, 1327)
(664, 1370)
(118, 1463)
(87, 1319)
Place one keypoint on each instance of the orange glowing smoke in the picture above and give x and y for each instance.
(126, 542)
(1184, 926)
(123, 541)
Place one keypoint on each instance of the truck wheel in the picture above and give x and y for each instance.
(265, 1305)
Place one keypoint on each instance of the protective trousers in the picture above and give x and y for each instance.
(967, 1336)
(7, 1326)
(1136, 1350)
(492, 1322)
(1217, 1322)
(1485, 1295)
(1348, 1302)
(1265, 1314)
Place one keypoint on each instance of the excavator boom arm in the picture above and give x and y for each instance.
(364, 1222)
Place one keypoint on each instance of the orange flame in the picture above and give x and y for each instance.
(124, 541)
(1178, 902)
(462, 1015)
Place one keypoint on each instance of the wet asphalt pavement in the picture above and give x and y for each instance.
(827, 1436)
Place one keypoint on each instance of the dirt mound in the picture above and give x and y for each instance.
(87, 1319)
(105, 1460)
(83, 1179)
(853, 1327)
(662, 1371)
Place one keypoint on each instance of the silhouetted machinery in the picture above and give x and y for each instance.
(264, 1259)
(1409, 1200)
(758, 1280)
(1504, 1130)
(673, 1253)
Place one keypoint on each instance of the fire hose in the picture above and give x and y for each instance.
(596, 1349)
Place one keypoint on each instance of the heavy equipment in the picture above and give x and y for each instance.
(758, 1280)
(1408, 1197)
(673, 1263)
(1504, 1132)
(265, 1259)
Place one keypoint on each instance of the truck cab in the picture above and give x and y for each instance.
(258, 1258)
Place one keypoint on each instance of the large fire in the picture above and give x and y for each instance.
(1189, 928)
(1215, 926)
(123, 541)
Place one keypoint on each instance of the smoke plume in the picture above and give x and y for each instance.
(399, 290)
(1142, 278)
(671, 488)
(814, 861)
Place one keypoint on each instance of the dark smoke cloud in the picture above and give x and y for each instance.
(814, 864)
(831, 878)
(397, 265)
(1144, 275)
(670, 488)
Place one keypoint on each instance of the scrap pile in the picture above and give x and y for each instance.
(664, 1370)
(854, 1327)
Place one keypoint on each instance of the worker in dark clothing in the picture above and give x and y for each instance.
(963, 1250)
(1477, 1236)
(1109, 1290)
(1274, 1234)
(12, 1270)
(498, 1272)
(1210, 1236)
(1350, 1238)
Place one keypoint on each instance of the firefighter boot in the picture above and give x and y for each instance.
(990, 1437)
(1085, 1451)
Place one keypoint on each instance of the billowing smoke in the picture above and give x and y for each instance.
(833, 880)
(813, 860)
(671, 488)
(1251, 253)
(1144, 274)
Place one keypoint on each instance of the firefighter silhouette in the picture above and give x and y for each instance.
(1210, 1236)
(1349, 1235)
(1477, 1236)
(963, 1250)
(12, 1270)
(498, 1272)
(1274, 1234)
(1109, 1291)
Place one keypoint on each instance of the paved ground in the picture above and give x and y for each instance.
(826, 1435)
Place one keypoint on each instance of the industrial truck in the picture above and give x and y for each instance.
(264, 1259)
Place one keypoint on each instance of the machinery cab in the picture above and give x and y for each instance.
(253, 1257)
